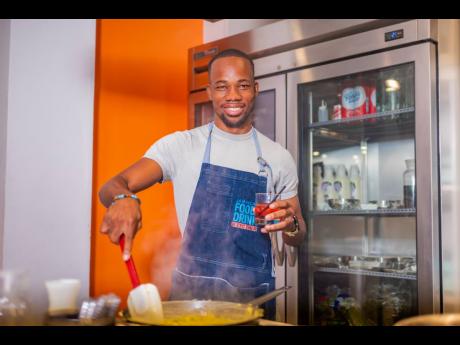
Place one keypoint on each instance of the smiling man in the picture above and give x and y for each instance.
(232, 91)
(216, 170)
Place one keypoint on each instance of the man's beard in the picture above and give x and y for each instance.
(242, 120)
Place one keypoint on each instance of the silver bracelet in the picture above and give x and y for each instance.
(124, 196)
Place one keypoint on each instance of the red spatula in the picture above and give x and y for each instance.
(130, 265)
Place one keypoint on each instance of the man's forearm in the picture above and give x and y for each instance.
(116, 185)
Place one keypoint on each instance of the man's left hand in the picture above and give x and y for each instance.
(284, 214)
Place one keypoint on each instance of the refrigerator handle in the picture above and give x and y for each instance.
(291, 255)
(279, 254)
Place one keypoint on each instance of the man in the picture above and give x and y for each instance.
(216, 170)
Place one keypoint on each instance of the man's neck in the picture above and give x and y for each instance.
(238, 130)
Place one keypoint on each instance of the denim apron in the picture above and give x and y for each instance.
(224, 256)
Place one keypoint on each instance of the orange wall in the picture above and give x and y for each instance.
(141, 95)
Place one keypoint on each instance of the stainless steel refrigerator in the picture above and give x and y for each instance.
(368, 110)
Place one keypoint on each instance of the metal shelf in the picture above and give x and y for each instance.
(399, 212)
(363, 118)
(366, 273)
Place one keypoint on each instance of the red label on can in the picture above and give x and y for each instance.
(337, 112)
(353, 101)
(372, 100)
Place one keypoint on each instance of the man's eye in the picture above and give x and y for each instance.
(244, 86)
(221, 87)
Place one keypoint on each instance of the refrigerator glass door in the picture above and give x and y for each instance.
(270, 119)
(364, 175)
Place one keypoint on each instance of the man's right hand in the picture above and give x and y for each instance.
(123, 217)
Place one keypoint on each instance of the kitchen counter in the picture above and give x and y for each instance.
(260, 322)
(264, 322)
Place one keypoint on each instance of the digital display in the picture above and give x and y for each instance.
(200, 55)
(394, 35)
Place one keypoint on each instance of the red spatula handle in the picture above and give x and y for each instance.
(130, 265)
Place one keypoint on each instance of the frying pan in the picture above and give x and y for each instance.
(210, 313)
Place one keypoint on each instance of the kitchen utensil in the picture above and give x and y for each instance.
(267, 297)
(211, 313)
(383, 204)
(144, 304)
(354, 204)
(130, 265)
(337, 204)
(369, 206)
(394, 204)
(101, 311)
(93, 312)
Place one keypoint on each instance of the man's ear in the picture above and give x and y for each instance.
(208, 90)
(256, 88)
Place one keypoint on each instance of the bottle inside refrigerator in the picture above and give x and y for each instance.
(318, 196)
(355, 183)
(327, 186)
(409, 184)
(323, 114)
(342, 183)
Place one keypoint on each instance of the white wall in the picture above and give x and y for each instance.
(4, 61)
(229, 27)
(449, 128)
(47, 220)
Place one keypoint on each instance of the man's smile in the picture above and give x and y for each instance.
(233, 109)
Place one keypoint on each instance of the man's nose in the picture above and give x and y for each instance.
(233, 93)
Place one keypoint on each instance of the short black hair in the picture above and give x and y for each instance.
(231, 52)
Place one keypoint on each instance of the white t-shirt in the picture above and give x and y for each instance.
(180, 155)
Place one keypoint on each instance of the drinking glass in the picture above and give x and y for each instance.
(262, 209)
(63, 296)
(13, 298)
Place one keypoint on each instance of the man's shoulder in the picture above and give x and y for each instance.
(188, 136)
(279, 158)
(200, 131)
(272, 147)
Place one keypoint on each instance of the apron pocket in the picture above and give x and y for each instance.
(213, 216)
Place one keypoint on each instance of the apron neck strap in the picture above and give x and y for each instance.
(207, 152)
(264, 168)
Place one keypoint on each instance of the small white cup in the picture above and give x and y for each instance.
(63, 296)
